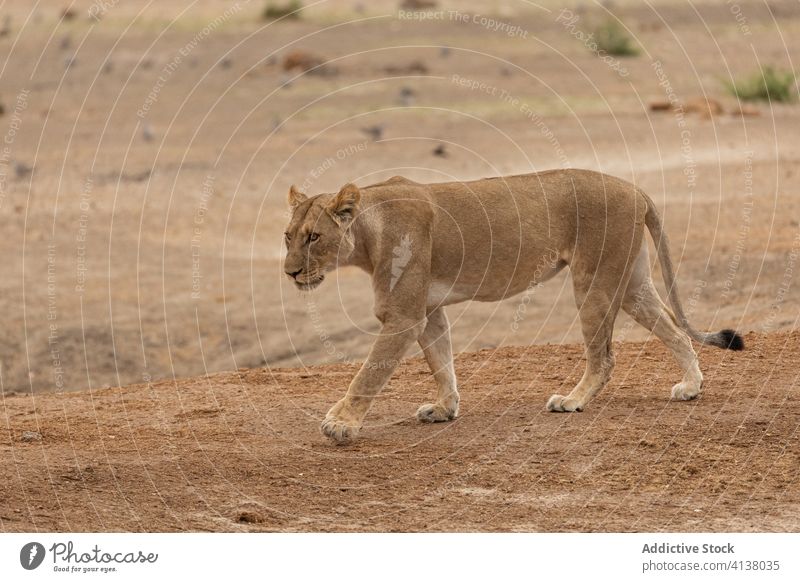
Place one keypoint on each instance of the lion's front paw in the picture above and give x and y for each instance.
(558, 403)
(685, 391)
(435, 413)
(338, 430)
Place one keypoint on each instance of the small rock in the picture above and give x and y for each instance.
(22, 170)
(302, 60)
(704, 106)
(406, 96)
(660, 105)
(30, 436)
(6, 28)
(412, 68)
(374, 131)
(147, 132)
(418, 4)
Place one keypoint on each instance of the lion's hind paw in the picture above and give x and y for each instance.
(435, 413)
(558, 403)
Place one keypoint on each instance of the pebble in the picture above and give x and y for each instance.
(30, 436)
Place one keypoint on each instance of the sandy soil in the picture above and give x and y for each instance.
(242, 451)
(144, 160)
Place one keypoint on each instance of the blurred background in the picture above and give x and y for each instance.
(146, 149)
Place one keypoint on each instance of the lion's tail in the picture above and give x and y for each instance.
(727, 338)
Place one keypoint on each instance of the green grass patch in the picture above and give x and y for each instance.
(767, 85)
(613, 39)
(275, 10)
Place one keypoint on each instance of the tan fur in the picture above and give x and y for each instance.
(430, 245)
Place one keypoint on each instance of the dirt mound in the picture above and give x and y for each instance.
(241, 451)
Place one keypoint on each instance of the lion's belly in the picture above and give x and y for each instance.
(493, 286)
(441, 293)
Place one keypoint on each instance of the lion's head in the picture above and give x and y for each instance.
(319, 236)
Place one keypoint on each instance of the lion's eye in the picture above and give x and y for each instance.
(288, 236)
(313, 237)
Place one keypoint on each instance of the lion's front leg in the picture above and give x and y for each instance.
(435, 344)
(400, 281)
(344, 420)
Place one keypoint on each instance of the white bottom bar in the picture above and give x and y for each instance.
(354, 557)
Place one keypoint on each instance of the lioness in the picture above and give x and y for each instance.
(431, 245)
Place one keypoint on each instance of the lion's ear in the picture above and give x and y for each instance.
(344, 205)
(295, 198)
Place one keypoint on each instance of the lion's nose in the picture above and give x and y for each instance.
(293, 274)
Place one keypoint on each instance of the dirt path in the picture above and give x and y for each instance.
(242, 451)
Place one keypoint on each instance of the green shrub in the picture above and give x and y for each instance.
(290, 9)
(767, 85)
(613, 39)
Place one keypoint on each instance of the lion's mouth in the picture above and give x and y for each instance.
(311, 284)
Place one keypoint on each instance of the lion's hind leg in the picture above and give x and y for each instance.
(644, 305)
(597, 310)
(601, 271)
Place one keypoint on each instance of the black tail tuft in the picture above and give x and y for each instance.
(730, 340)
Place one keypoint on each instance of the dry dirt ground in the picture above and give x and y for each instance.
(144, 160)
(242, 451)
